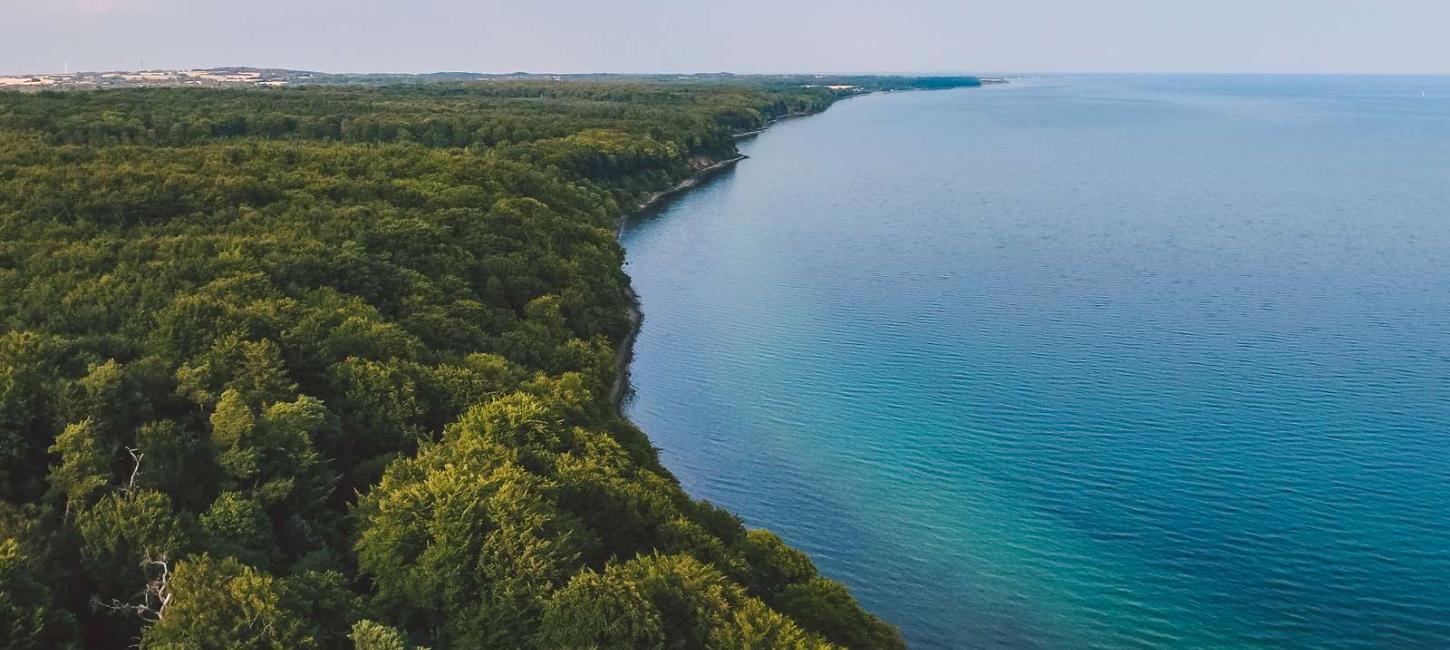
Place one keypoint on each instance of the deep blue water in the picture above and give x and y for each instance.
(1081, 361)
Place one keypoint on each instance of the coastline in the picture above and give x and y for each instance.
(622, 356)
(699, 176)
(625, 353)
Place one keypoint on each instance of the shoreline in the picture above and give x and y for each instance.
(625, 354)
(696, 178)
(619, 389)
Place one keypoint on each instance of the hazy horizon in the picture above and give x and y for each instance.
(746, 37)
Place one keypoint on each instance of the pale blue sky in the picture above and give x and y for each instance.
(739, 36)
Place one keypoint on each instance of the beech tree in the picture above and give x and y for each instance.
(30, 618)
(225, 604)
(663, 601)
(85, 464)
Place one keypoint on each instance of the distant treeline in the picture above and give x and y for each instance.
(330, 367)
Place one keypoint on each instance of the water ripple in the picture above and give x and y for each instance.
(1105, 363)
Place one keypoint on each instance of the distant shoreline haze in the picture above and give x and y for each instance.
(243, 76)
(747, 36)
(277, 77)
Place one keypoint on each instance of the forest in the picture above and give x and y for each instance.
(329, 367)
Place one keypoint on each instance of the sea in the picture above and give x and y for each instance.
(1079, 361)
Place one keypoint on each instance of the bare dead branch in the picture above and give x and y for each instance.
(154, 597)
(135, 469)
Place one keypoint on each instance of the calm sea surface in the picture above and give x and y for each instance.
(1082, 361)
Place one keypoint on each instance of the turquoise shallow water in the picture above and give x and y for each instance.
(1081, 361)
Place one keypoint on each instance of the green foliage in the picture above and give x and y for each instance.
(28, 396)
(367, 635)
(106, 397)
(85, 465)
(29, 617)
(292, 357)
(252, 368)
(236, 526)
(664, 601)
(227, 605)
(122, 533)
(825, 605)
(461, 538)
(178, 462)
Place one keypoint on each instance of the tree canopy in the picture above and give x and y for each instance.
(330, 367)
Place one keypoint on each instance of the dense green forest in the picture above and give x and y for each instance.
(330, 367)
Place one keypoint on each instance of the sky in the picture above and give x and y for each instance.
(744, 36)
